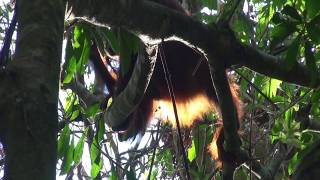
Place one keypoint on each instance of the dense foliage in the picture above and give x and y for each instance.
(280, 129)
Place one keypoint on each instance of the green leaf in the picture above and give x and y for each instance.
(68, 158)
(315, 96)
(67, 79)
(95, 156)
(131, 174)
(78, 151)
(63, 141)
(74, 114)
(313, 29)
(85, 53)
(71, 69)
(94, 150)
(113, 41)
(211, 4)
(292, 163)
(92, 110)
(128, 48)
(276, 18)
(100, 130)
(114, 175)
(76, 35)
(280, 32)
(311, 63)
(270, 89)
(292, 53)
(95, 169)
(312, 7)
(154, 174)
(192, 152)
(292, 12)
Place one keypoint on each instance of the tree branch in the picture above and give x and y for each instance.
(156, 21)
(132, 95)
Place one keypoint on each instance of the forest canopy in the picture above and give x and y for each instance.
(82, 83)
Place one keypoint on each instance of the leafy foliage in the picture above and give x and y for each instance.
(277, 113)
(288, 29)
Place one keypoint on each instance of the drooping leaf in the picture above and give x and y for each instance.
(95, 153)
(83, 52)
(68, 158)
(71, 66)
(154, 174)
(293, 163)
(100, 130)
(270, 89)
(77, 53)
(114, 175)
(128, 48)
(113, 41)
(78, 151)
(63, 141)
(95, 169)
(131, 175)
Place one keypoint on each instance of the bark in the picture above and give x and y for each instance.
(29, 91)
(155, 21)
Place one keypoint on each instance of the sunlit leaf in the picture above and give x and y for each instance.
(292, 163)
(270, 89)
(76, 35)
(95, 169)
(74, 115)
(192, 152)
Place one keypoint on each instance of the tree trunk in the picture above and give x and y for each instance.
(29, 92)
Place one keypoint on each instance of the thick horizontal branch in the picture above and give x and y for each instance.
(156, 21)
(128, 100)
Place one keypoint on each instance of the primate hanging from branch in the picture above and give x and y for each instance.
(192, 86)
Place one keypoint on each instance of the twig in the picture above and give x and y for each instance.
(7, 39)
(154, 151)
(173, 99)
